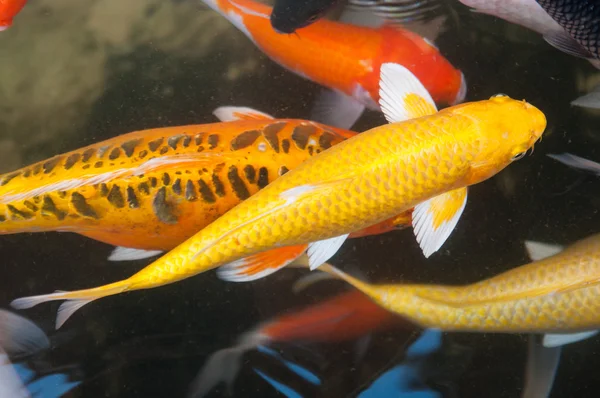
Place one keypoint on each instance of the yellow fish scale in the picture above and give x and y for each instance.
(559, 293)
(361, 181)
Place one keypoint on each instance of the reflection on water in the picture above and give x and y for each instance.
(80, 73)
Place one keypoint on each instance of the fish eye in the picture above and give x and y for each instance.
(499, 95)
(518, 156)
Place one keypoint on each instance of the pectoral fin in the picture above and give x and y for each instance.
(434, 220)
(540, 250)
(402, 95)
(568, 45)
(234, 113)
(336, 109)
(321, 251)
(260, 265)
(557, 340)
(128, 254)
(590, 100)
(542, 363)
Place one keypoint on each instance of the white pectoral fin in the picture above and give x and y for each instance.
(540, 250)
(590, 100)
(577, 162)
(321, 251)
(336, 109)
(557, 340)
(402, 96)
(434, 220)
(234, 113)
(128, 254)
(542, 363)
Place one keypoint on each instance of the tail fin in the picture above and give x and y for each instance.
(20, 336)
(224, 365)
(75, 300)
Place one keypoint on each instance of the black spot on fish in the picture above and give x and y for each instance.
(198, 138)
(166, 179)
(177, 186)
(244, 139)
(50, 164)
(87, 154)
(237, 183)
(82, 206)
(62, 194)
(186, 141)
(27, 173)
(114, 154)
(164, 150)
(283, 170)
(190, 191)
(49, 208)
(144, 188)
(143, 153)
(98, 164)
(200, 148)
(153, 145)
(19, 214)
(103, 190)
(263, 177)
(285, 145)
(311, 150)
(153, 182)
(129, 146)
(36, 199)
(6, 179)
(30, 206)
(250, 173)
(132, 200)
(174, 140)
(71, 160)
(163, 210)
(271, 134)
(206, 193)
(37, 169)
(2, 218)
(302, 133)
(325, 140)
(85, 167)
(115, 197)
(219, 187)
(213, 141)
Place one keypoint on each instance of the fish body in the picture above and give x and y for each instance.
(425, 162)
(580, 18)
(153, 189)
(345, 58)
(8, 10)
(345, 317)
(558, 294)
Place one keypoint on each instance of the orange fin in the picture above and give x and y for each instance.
(260, 265)
(234, 113)
(434, 219)
(402, 95)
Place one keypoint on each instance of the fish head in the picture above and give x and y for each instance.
(289, 15)
(505, 130)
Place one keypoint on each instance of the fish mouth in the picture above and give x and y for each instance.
(462, 91)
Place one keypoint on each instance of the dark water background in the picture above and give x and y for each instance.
(152, 343)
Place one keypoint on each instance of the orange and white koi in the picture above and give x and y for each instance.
(346, 317)
(150, 190)
(8, 10)
(422, 159)
(346, 59)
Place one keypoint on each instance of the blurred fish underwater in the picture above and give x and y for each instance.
(77, 77)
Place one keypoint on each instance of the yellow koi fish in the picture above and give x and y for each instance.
(422, 159)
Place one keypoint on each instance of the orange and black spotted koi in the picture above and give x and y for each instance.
(153, 189)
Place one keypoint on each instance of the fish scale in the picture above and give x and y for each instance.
(161, 208)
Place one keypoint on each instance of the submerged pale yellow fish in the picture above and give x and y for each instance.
(557, 294)
(426, 163)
